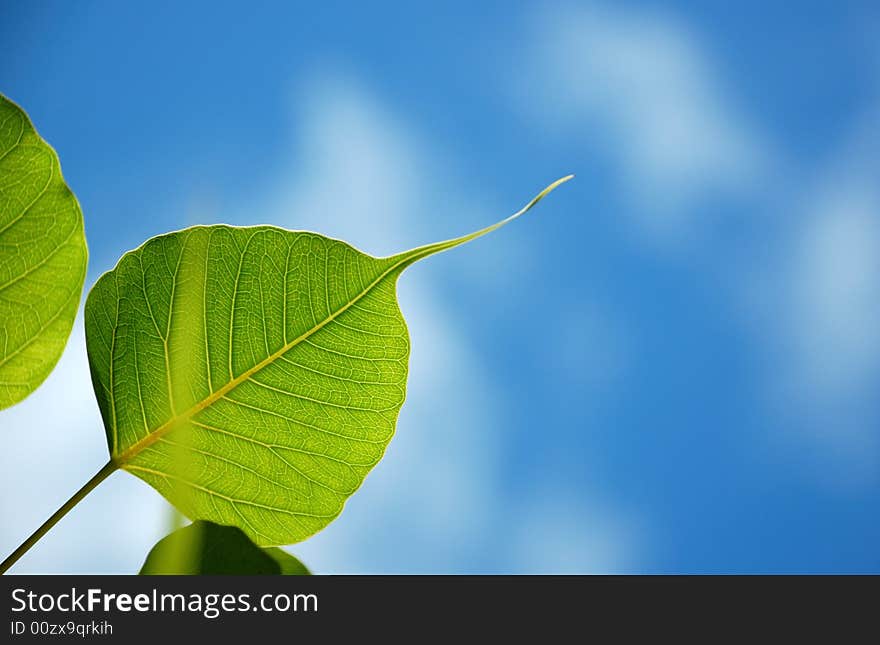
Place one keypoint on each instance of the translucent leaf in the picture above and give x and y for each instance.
(205, 548)
(43, 257)
(254, 375)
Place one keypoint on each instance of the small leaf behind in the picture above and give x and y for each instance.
(205, 548)
(290, 566)
(43, 257)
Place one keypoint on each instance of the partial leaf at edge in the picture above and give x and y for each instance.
(43, 257)
(205, 548)
(289, 565)
(252, 375)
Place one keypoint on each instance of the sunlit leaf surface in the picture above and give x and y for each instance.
(254, 375)
(43, 257)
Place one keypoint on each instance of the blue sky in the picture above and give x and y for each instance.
(670, 366)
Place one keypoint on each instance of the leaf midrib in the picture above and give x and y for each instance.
(135, 449)
(401, 261)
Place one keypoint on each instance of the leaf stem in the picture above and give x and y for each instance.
(77, 497)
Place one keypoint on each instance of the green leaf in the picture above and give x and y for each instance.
(43, 257)
(289, 565)
(205, 548)
(254, 375)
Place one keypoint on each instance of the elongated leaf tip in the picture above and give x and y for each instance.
(429, 249)
(546, 192)
(549, 189)
(556, 183)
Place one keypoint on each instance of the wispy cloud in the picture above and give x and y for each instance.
(351, 174)
(820, 304)
(554, 532)
(638, 85)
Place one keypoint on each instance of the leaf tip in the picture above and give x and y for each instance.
(429, 249)
(555, 185)
(549, 189)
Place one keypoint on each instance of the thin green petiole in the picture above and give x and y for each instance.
(87, 488)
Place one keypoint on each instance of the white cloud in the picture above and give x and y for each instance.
(640, 84)
(553, 532)
(819, 302)
(835, 283)
(357, 172)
